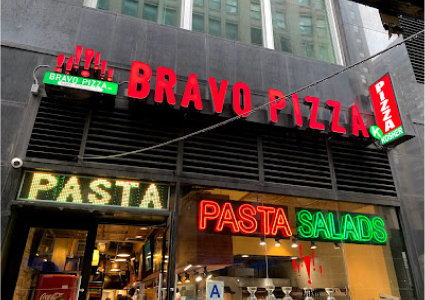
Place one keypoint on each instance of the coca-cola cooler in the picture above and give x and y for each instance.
(56, 286)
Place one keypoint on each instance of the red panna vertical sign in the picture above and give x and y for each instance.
(389, 126)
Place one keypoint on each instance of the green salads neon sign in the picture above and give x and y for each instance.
(348, 227)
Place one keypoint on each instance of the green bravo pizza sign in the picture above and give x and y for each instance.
(75, 82)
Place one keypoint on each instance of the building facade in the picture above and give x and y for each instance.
(297, 198)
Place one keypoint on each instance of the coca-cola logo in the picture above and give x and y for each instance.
(54, 296)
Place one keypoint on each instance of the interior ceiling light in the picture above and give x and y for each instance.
(294, 257)
(245, 255)
(337, 246)
(187, 280)
(120, 260)
(124, 251)
(179, 279)
(188, 267)
(206, 274)
(294, 243)
(277, 243)
(313, 245)
(262, 241)
(198, 277)
(115, 267)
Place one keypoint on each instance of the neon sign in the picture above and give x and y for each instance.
(386, 112)
(349, 227)
(96, 78)
(243, 218)
(46, 186)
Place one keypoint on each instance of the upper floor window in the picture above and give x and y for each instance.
(215, 4)
(232, 6)
(166, 12)
(301, 27)
(303, 30)
(225, 18)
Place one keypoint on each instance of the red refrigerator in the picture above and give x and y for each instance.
(56, 286)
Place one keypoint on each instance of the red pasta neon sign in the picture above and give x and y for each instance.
(243, 219)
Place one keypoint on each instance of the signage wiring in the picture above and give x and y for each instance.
(263, 106)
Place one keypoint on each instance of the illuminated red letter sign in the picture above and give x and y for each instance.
(386, 111)
(243, 218)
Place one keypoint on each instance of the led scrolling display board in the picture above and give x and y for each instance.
(47, 186)
(340, 226)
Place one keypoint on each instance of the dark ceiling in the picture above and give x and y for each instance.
(414, 8)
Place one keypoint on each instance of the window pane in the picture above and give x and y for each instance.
(321, 27)
(230, 19)
(214, 27)
(198, 2)
(214, 4)
(256, 36)
(305, 25)
(150, 12)
(170, 17)
(319, 4)
(369, 261)
(305, 2)
(232, 31)
(130, 7)
(102, 4)
(323, 53)
(232, 6)
(308, 49)
(309, 19)
(279, 20)
(285, 44)
(159, 11)
(198, 23)
(255, 11)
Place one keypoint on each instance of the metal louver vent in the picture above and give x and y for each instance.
(296, 159)
(225, 152)
(118, 131)
(362, 170)
(57, 132)
(415, 47)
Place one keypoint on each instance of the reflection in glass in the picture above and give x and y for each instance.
(238, 20)
(252, 290)
(160, 11)
(302, 28)
(241, 263)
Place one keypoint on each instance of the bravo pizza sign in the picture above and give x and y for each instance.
(94, 78)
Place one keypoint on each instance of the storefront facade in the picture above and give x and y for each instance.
(333, 206)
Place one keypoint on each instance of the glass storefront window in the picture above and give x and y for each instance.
(266, 246)
(237, 20)
(160, 11)
(305, 25)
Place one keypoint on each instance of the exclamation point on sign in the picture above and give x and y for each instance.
(307, 266)
(88, 54)
(59, 63)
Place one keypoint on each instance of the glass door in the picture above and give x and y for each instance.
(52, 264)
